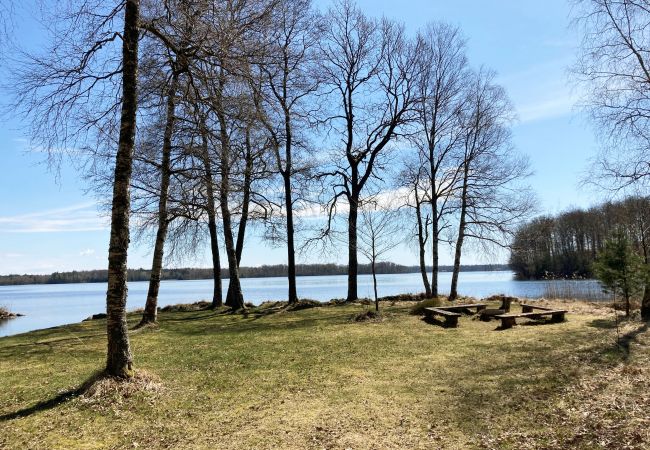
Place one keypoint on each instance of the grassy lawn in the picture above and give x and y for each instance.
(315, 379)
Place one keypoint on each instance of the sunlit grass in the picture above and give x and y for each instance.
(314, 378)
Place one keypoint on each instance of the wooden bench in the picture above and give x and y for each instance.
(509, 320)
(478, 306)
(451, 318)
(530, 308)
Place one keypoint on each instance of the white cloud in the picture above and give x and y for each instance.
(546, 109)
(542, 91)
(87, 252)
(74, 218)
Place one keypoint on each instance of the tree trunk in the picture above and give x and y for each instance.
(119, 361)
(237, 299)
(374, 284)
(435, 231)
(288, 200)
(645, 303)
(453, 292)
(246, 199)
(151, 306)
(353, 266)
(217, 290)
(217, 295)
(422, 246)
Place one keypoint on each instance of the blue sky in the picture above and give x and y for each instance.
(47, 223)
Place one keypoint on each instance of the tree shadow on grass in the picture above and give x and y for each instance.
(624, 341)
(433, 321)
(607, 324)
(244, 325)
(53, 402)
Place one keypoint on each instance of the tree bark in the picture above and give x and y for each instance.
(246, 199)
(288, 200)
(453, 292)
(291, 252)
(435, 231)
(151, 306)
(645, 303)
(119, 361)
(374, 284)
(422, 246)
(237, 299)
(353, 265)
(217, 292)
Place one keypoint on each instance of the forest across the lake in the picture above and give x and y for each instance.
(187, 273)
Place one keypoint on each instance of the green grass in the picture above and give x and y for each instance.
(316, 379)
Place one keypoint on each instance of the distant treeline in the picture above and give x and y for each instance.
(279, 270)
(565, 246)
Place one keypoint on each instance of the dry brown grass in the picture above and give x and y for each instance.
(575, 306)
(103, 391)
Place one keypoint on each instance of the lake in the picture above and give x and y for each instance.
(49, 305)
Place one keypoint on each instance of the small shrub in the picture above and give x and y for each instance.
(184, 307)
(304, 304)
(418, 308)
(5, 313)
(368, 316)
(364, 301)
(404, 297)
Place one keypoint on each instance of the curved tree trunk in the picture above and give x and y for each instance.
(119, 361)
(217, 290)
(246, 199)
(151, 306)
(237, 299)
(217, 295)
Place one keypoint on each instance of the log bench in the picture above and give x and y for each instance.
(509, 320)
(451, 318)
(529, 308)
(467, 307)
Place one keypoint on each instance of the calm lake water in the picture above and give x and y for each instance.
(49, 305)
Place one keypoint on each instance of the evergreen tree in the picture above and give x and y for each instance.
(619, 269)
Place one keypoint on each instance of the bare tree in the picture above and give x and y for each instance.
(80, 84)
(287, 82)
(119, 360)
(379, 233)
(492, 199)
(413, 179)
(171, 27)
(438, 131)
(238, 40)
(614, 68)
(368, 68)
